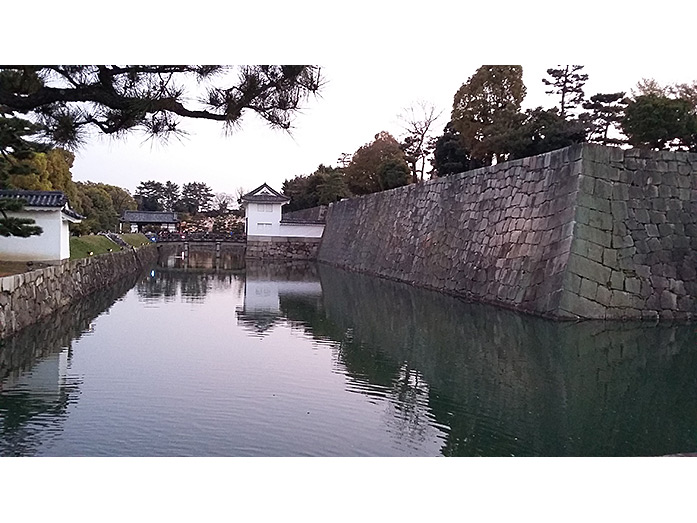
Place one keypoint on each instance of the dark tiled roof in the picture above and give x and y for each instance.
(150, 217)
(73, 214)
(46, 199)
(274, 197)
(38, 198)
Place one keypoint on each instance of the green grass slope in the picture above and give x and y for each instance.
(82, 246)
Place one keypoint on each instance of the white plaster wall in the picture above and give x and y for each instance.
(65, 239)
(45, 247)
(261, 296)
(256, 216)
(264, 295)
(301, 230)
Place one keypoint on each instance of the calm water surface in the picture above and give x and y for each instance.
(307, 360)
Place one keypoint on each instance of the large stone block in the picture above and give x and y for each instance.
(578, 306)
(589, 269)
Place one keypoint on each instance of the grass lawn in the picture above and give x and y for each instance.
(136, 240)
(81, 246)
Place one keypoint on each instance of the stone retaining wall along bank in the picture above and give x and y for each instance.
(582, 232)
(26, 298)
(282, 248)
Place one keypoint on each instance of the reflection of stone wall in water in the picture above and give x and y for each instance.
(26, 298)
(36, 346)
(582, 232)
(299, 270)
(53, 333)
(560, 389)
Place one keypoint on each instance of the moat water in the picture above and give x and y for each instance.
(308, 360)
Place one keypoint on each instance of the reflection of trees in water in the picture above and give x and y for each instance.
(409, 413)
(503, 383)
(32, 409)
(201, 256)
(257, 323)
(189, 285)
(370, 371)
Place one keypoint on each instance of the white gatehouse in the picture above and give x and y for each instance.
(263, 217)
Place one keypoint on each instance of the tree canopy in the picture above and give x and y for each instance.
(324, 186)
(660, 122)
(487, 105)
(367, 171)
(450, 155)
(196, 197)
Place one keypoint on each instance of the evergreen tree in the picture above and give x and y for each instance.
(96, 205)
(660, 122)
(450, 155)
(541, 131)
(324, 186)
(567, 82)
(69, 99)
(150, 196)
(170, 196)
(196, 197)
(18, 145)
(14, 226)
(605, 113)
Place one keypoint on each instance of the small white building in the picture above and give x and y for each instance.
(51, 212)
(263, 216)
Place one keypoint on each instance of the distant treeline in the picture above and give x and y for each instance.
(487, 125)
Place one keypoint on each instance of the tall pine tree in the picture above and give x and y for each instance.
(567, 82)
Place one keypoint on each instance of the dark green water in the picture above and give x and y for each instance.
(307, 360)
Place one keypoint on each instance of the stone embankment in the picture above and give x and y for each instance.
(28, 297)
(583, 232)
(282, 248)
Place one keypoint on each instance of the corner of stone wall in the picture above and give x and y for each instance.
(634, 250)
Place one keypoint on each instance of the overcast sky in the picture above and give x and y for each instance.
(358, 101)
(377, 59)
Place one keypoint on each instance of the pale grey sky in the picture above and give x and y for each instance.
(358, 101)
(377, 57)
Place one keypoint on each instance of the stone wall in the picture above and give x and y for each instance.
(26, 298)
(582, 232)
(635, 245)
(313, 214)
(282, 247)
(20, 353)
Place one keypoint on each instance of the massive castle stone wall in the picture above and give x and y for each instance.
(583, 232)
(28, 297)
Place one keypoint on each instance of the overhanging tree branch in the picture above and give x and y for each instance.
(117, 99)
